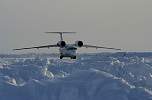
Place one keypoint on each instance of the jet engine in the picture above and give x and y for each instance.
(61, 44)
(79, 43)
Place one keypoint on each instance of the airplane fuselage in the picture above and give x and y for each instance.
(68, 51)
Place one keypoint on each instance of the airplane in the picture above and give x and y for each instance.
(67, 50)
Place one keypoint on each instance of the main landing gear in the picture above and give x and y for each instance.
(74, 57)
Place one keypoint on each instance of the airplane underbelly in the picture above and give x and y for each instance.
(68, 53)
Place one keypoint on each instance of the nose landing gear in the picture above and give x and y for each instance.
(61, 57)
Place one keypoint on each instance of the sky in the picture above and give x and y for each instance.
(125, 24)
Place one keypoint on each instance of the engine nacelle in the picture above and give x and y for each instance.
(61, 44)
(79, 43)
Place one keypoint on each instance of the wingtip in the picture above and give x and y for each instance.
(15, 49)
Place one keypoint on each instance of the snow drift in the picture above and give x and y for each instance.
(107, 76)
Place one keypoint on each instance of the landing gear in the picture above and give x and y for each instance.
(61, 57)
(74, 57)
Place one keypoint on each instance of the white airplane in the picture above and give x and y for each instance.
(67, 50)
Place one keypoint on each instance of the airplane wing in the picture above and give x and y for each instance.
(38, 47)
(91, 46)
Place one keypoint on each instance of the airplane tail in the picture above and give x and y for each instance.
(61, 34)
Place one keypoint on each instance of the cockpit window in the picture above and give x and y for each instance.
(71, 48)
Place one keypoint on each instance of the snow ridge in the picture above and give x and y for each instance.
(91, 77)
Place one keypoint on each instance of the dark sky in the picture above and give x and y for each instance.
(123, 24)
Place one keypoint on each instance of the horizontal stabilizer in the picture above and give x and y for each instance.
(61, 37)
(60, 32)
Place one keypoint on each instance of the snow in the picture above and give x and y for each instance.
(107, 76)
